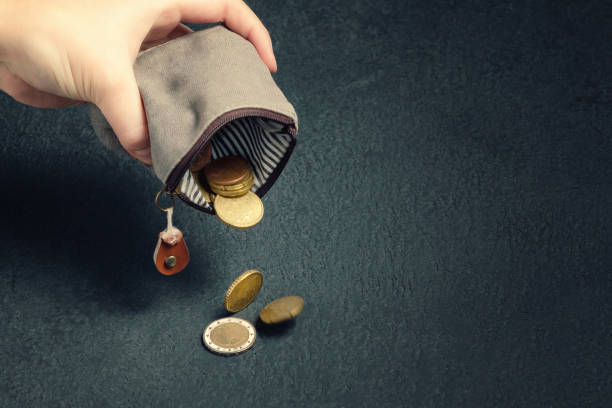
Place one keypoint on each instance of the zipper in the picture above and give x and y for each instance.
(179, 170)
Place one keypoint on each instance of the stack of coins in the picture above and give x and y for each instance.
(230, 180)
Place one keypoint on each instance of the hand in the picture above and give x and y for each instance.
(57, 53)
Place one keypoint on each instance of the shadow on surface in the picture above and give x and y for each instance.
(220, 313)
(89, 232)
(276, 330)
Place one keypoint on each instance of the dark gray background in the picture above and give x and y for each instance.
(446, 217)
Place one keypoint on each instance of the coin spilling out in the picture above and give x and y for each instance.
(282, 310)
(239, 212)
(229, 336)
(229, 181)
(243, 290)
(234, 190)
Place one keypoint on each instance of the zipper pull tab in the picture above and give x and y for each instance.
(171, 254)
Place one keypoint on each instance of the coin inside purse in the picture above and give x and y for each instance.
(265, 143)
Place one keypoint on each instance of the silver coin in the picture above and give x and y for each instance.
(229, 336)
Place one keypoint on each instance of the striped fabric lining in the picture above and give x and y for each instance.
(261, 141)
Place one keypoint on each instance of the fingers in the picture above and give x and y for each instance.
(179, 31)
(237, 16)
(121, 105)
(163, 35)
(23, 92)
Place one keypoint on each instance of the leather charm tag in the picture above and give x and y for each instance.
(171, 254)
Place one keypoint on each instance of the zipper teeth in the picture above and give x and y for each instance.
(175, 177)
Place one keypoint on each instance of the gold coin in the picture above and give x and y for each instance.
(235, 190)
(239, 212)
(229, 336)
(243, 290)
(282, 310)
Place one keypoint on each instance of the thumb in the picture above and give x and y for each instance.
(121, 105)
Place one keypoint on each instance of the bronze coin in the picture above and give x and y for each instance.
(201, 159)
(282, 310)
(227, 171)
(235, 190)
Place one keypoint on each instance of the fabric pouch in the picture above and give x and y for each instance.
(209, 87)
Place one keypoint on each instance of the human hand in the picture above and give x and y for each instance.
(58, 53)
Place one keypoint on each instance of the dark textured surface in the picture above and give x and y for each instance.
(446, 217)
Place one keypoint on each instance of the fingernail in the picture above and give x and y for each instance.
(143, 153)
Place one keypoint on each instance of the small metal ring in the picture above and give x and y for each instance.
(157, 198)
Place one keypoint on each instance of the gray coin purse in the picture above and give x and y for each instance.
(209, 87)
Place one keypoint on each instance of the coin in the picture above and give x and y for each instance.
(239, 212)
(227, 171)
(229, 335)
(282, 310)
(201, 159)
(234, 190)
(243, 290)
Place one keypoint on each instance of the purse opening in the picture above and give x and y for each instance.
(264, 143)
